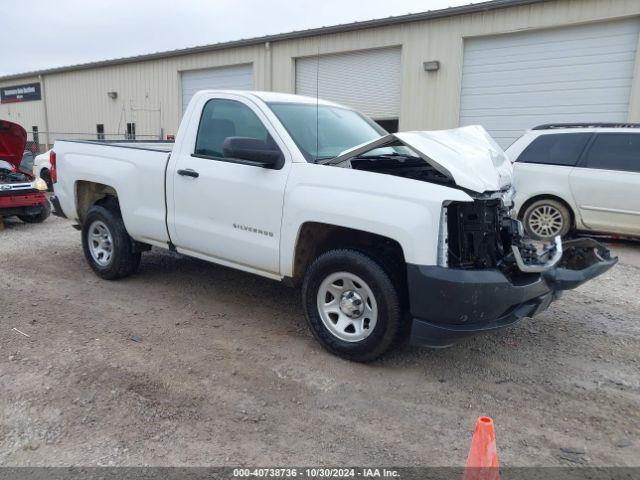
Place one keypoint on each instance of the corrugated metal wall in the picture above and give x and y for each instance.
(235, 77)
(149, 92)
(346, 78)
(582, 73)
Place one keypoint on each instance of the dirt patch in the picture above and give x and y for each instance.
(188, 363)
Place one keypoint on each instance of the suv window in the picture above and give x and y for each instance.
(615, 151)
(227, 118)
(555, 149)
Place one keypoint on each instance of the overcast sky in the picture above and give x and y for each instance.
(43, 33)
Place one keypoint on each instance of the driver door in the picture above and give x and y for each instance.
(224, 209)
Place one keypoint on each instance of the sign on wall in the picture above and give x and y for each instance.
(20, 93)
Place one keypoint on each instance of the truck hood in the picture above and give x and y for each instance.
(468, 155)
(13, 139)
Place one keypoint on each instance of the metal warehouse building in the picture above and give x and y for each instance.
(505, 64)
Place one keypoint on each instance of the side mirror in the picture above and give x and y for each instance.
(252, 150)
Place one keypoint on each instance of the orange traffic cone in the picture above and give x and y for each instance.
(482, 462)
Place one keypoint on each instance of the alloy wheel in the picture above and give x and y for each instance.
(546, 221)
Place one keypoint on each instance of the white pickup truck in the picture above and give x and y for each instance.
(389, 235)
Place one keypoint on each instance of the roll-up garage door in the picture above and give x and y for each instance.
(584, 73)
(367, 80)
(237, 77)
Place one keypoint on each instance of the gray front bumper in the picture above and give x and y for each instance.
(448, 304)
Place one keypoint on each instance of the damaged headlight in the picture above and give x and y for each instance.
(508, 196)
(443, 238)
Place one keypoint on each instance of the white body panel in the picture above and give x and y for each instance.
(608, 201)
(407, 211)
(533, 180)
(604, 201)
(40, 163)
(468, 154)
(250, 217)
(207, 215)
(512, 82)
(135, 174)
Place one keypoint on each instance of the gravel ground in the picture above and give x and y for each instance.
(188, 363)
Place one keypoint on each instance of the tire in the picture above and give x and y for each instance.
(369, 282)
(546, 218)
(122, 260)
(46, 176)
(39, 217)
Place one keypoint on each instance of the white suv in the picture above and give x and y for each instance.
(42, 168)
(578, 177)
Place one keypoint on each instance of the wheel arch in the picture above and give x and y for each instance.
(316, 238)
(92, 193)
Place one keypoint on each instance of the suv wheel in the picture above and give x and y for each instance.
(352, 306)
(544, 219)
(107, 246)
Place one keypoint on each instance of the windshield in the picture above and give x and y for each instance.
(336, 129)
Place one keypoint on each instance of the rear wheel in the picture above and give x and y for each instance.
(38, 217)
(352, 306)
(546, 218)
(107, 246)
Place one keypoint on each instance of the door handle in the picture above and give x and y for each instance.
(188, 173)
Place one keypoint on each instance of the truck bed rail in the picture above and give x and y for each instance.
(153, 145)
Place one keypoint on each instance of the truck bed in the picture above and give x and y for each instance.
(133, 169)
(156, 145)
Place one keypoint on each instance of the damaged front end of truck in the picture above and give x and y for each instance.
(488, 274)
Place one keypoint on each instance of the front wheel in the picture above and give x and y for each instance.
(545, 219)
(352, 306)
(107, 246)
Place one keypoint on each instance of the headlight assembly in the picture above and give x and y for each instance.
(39, 184)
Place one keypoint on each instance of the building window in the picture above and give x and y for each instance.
(390, 125)
(131, 131)
(100, 131)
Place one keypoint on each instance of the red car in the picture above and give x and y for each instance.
(20, 193)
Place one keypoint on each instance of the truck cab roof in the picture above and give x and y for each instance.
(585, 127)
(276, 97)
